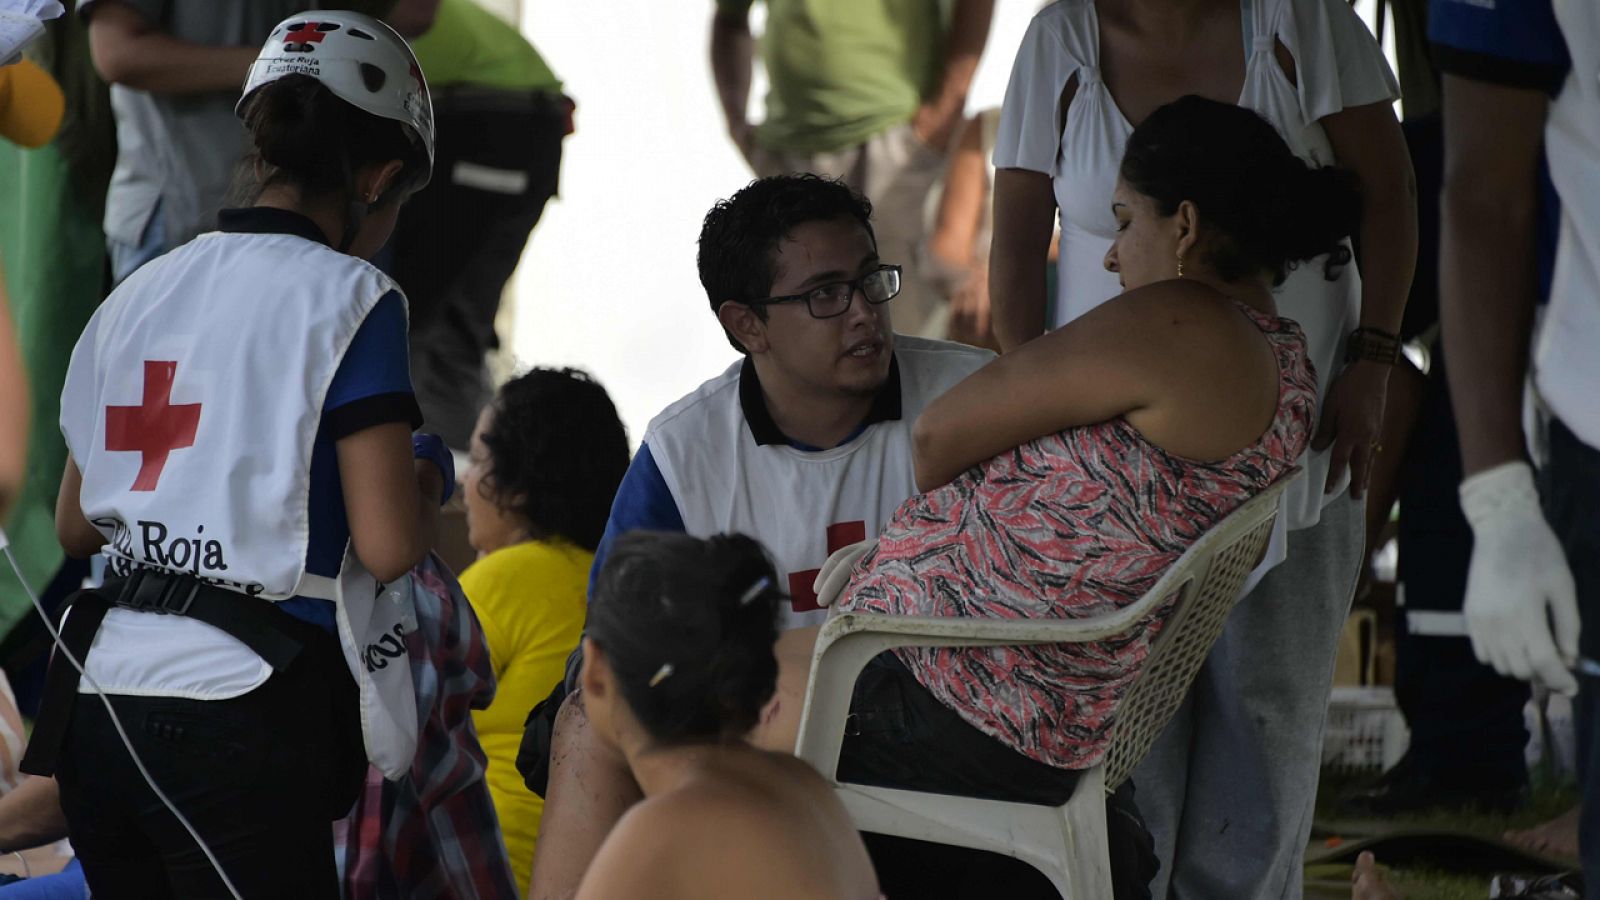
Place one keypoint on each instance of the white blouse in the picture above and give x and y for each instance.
(1338, 65)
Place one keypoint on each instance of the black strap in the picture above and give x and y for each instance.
(87, 608)
(267, 631)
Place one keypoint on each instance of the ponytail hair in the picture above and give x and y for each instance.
(1267, 209)
(304, 135)
(688, 626)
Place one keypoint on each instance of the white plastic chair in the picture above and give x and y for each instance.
(1066, 843)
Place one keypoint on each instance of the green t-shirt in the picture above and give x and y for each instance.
(842, 71)
(468, 45)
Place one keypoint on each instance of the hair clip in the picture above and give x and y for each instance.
(662, 674)
(754, 590)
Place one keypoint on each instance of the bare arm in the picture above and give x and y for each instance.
(77, 534)
(1368, 141)
(1161, 353)
(13, 409)
(966, 190)
(130, 50)
(31, 816)
(391, 499)
(940, 114)
(1024, 219)
(1487, 281)
(732, 58)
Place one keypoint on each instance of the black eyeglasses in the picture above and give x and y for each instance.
(833, 299)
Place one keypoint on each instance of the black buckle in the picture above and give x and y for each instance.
(163, 593)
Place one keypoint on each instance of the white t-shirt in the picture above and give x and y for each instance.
(1567, 359)
(1337, 64)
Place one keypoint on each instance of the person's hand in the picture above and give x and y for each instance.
(1352, 419)
(934, 126)
(835, 573)
(969, 310)
(1521, 606)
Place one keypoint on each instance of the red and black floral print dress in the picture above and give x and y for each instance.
(1071, 525)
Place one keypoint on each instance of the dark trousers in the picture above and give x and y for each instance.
(261, 777)
(901, 736)
(1570, 485)
(458, 240)
(1466, 720)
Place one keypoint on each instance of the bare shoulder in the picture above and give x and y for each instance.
(1177, 301)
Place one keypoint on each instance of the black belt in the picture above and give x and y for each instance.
(252, 621)
(475, 98)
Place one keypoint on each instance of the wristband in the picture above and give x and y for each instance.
(1499, 493)
(1373, 344)
(431, 448)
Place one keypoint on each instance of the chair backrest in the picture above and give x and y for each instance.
(1207, 580)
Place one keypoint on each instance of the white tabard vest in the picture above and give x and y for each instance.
(801, 505)
(191, 405)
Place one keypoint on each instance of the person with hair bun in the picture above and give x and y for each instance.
(546, 459)
(678, 666)
(1066, 477)
(239, 419)
(1086, 75)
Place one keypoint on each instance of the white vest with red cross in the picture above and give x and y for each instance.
(802, 505)
(191, 406)
(193, 399)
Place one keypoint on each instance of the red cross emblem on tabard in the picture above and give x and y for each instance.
(305, 33)
(154, 428)
(840, 534)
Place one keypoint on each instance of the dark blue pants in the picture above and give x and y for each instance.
(1466, 720)
(1570, 483)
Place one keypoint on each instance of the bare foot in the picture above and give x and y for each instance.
(1557, 837)
(1367, 882)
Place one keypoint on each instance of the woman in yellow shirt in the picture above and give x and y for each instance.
(547, 455)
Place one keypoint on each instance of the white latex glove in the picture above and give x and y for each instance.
(1519, 588)
(835, 573)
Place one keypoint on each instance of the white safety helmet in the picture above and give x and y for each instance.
(360, 59)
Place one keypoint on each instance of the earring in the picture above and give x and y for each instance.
(1180, 265)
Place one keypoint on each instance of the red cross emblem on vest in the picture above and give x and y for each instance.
(840, 535)
(154, 428)
(305, 33)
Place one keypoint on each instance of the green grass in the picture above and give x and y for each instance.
(1546, 801)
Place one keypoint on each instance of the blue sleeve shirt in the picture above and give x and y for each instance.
(372, 386)
(643, 503)
(1516, 43)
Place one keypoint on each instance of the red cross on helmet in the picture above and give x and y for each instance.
(360, 59)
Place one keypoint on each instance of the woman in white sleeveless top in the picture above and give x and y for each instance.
(1228, 791)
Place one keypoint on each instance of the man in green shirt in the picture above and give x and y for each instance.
(500, 117)
(870, 91)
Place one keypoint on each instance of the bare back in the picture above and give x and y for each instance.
(741, 823)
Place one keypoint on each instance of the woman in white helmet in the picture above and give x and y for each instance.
(239, 416)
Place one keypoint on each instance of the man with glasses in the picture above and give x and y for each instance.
(805, 444)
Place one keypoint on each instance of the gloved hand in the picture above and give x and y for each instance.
(835, 573)
(431, 448)
(1519, 587)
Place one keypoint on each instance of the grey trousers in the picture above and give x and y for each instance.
(1228, 788)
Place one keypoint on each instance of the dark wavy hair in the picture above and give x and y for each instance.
(688, 625)
(557, 452)
(1267, 208)
(739, 238)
